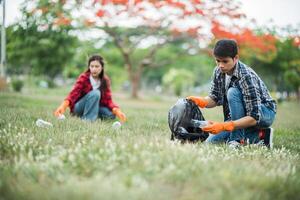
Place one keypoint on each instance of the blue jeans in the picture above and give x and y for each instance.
(87, 108)
(237, 111)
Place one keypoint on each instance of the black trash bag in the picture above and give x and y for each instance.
(184, 120)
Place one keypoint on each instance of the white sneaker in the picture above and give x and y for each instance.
(234, 144)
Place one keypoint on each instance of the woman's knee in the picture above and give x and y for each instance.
(95, 94)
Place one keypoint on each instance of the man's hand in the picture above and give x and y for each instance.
(199, 101)
(217, 127)
(62, 108)
(119, 114)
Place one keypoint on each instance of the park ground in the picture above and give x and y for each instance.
(75, 159)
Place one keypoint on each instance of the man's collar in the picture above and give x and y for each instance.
(236, 70)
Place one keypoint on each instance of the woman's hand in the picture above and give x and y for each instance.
(62, 108)
(119, 114)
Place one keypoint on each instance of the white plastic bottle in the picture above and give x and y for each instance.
(61, 117)
(116, 125)
(199, 123)
(42, 123)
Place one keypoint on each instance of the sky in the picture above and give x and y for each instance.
(281, 12)
(265, 12)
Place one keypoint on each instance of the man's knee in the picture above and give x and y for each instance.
(233, 94)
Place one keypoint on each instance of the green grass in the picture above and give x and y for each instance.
(80, 160)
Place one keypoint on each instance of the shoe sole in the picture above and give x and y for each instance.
(268, 140)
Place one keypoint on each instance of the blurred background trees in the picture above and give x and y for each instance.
(38, 52)
(147, 43)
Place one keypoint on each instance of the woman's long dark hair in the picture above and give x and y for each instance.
(102, 74)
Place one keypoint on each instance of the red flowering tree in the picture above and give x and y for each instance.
(262, 46)
(142, 24)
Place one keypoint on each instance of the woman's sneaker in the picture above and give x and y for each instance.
(266, 137)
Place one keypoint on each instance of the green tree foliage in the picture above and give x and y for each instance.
(38, 52)
(138, 28)
(178, 80)
(199, 63)
(288, 59)
(79, 62)
(37, 47)
(282, 72)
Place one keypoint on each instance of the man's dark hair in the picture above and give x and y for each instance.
(226, 48)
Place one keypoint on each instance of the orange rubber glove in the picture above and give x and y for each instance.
(199, 101)
(217, 127)
(62, 108)
(119, 114)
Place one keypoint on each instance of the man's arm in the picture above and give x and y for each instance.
(216, 127)
(203, 102)
(244, 122)
(211, 102)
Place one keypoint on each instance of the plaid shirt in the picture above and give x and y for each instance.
(248, 82)
(84, 86)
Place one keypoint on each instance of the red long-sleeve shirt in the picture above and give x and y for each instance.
(84, 86)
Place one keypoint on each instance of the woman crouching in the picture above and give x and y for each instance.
(91, 96)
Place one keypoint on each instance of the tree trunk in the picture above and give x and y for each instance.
(134, 88)
(135, 78)
(135, 82)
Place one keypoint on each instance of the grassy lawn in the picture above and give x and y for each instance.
(80, 160)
